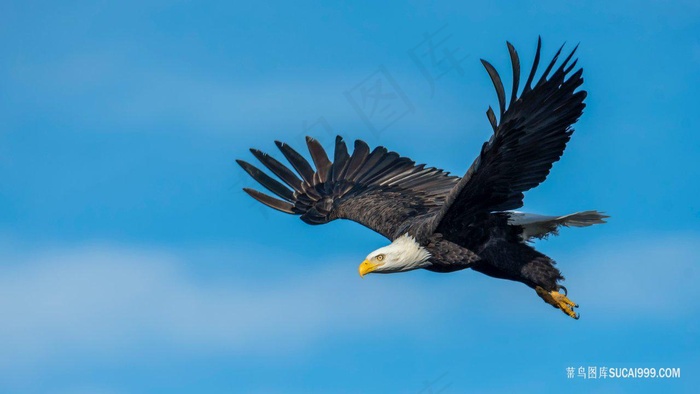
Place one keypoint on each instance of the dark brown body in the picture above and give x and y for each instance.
(495, 249)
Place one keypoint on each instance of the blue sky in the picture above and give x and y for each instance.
(132, 262)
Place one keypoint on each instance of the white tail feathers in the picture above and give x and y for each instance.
(583, 219)
(541, 226)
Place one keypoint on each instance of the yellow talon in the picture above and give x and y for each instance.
(558, 300)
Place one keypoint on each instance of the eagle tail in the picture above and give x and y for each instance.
(583, 219)
(541, 226)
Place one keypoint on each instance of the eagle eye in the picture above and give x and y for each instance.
(380, 257)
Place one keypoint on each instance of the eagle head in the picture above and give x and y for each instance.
(403, 254)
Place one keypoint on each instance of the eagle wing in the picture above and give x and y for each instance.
(531, 135)
(379, 189)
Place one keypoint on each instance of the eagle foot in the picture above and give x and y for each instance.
(558, 300)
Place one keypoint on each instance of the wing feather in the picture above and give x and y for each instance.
(297, 161)
(530, 136)
(270, 202)
(282, 172)
(340, 159)
(515, 64)
(535, 64)
(320, 159)
(265, 180)
(380, 190)
(359, 155)
(497, 83)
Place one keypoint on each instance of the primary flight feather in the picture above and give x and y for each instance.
(440, 222)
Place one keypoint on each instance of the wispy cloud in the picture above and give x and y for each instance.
(645, 277)
(114, 89)
(108, 300)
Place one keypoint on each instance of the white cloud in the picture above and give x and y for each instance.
(107, 300)
(110, 301)
(647, 277)
(113, 89)
(122, 93)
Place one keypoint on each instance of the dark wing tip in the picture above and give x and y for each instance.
(485, 63)
(515, 65)
(497, 84)
(266, 181)
(297, 161)
(361, 144)
(492, 119)
(320, 159)
(545, 74)
(246, 166)
(535, 63)
(270, 201)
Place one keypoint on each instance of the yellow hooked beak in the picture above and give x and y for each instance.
(367, 266)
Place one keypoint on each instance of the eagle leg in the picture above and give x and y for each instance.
(558, 300)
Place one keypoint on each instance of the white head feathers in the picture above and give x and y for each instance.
(403, 254)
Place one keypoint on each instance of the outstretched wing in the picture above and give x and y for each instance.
(531, 135)
(378, 189)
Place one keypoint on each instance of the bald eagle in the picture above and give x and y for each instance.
(444, 223)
